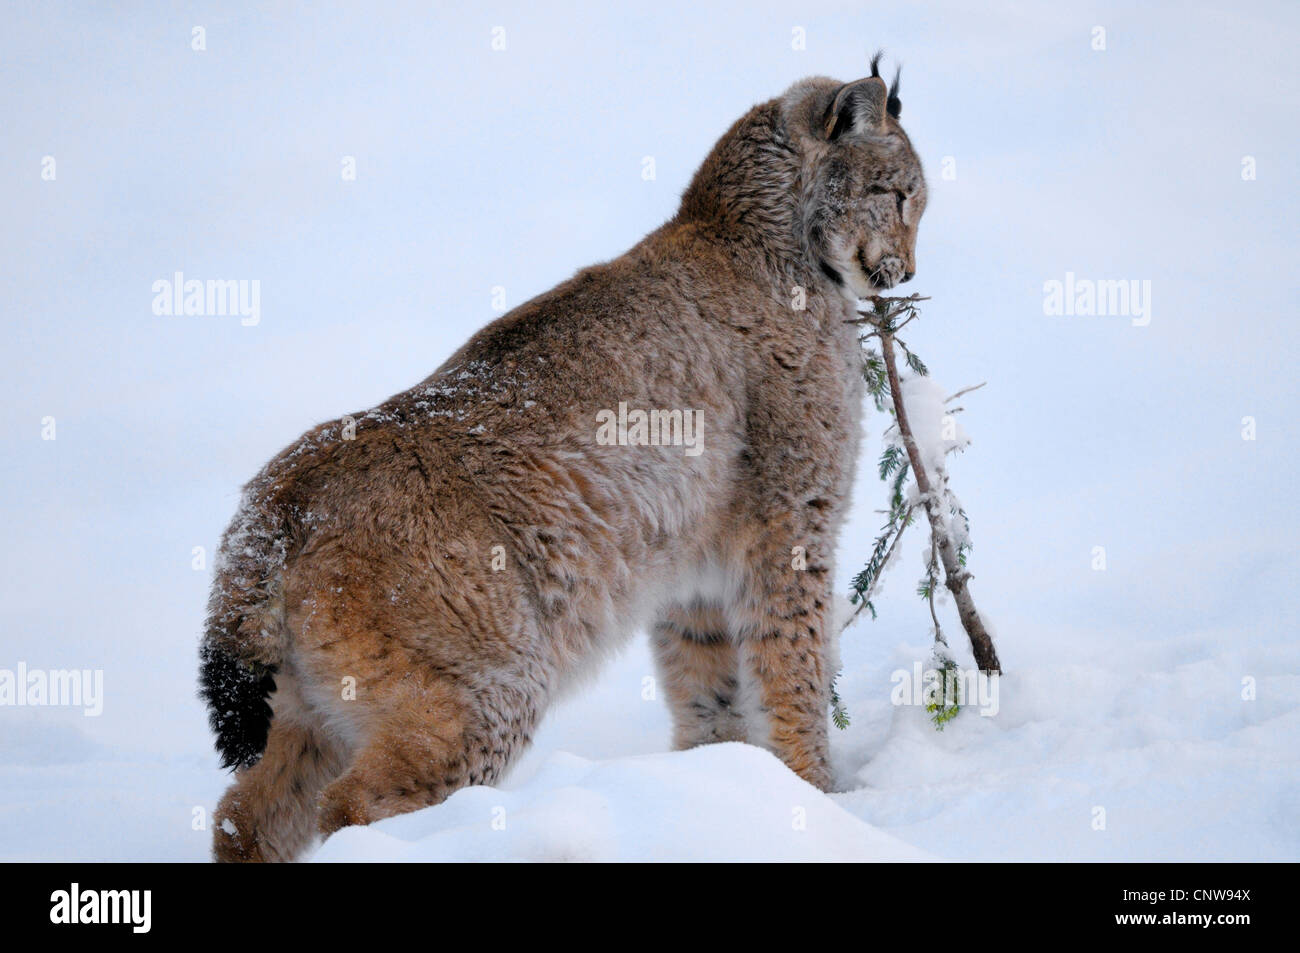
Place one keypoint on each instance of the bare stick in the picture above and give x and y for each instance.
(964, 390)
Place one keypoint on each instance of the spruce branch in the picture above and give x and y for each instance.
(883, 320)
(931, 582)
(865, 583)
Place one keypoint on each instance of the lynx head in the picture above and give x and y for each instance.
(862, 190)
(822, 181)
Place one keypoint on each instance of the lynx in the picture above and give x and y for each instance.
(402, 593)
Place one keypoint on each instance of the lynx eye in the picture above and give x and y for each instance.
(899, 197)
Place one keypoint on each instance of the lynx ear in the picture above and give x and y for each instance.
(857, 109)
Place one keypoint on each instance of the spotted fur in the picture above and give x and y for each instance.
(414, 585)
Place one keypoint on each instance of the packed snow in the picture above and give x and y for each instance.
(731, 802)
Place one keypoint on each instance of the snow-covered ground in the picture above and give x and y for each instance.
(1128, 482)
(1155, 733)
(1157, 737)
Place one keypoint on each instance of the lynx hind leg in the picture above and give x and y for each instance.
(699, 666)
(431, 736)
(414, 752)
(269, 813)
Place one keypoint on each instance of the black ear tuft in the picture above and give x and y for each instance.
(894, 105)
(875, 62)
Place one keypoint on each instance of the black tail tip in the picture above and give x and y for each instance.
(236, 693)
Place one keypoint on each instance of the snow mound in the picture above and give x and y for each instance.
(723, 802)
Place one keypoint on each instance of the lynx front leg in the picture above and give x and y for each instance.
(786, 650)
(700, 669)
